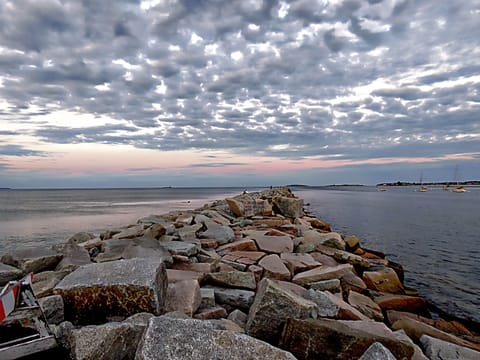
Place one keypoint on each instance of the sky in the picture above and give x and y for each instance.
(131, 93)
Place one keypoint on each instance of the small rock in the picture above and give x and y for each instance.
(239, 245)
(53, 309)
(183, 296)
(238, 317)
(240, 299)
(365, 305)
(80, 237)
(216, 312)
(384, 280)
(180, 248)
(208, 298)
(377, 351)
(233, 279)
(274, 268)
(332, 285)
(244, 257)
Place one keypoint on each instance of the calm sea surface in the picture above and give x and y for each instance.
(434, 235)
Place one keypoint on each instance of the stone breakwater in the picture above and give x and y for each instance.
(249, 277)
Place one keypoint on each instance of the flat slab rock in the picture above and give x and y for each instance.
(34, 259)
(117, 288)
(188, 339)
(9, 273)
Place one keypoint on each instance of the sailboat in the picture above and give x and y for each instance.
(458, 188)
(422, 187)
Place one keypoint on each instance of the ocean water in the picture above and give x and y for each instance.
(434, 235)
(47, 217)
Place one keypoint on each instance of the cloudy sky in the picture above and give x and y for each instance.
(237, 92)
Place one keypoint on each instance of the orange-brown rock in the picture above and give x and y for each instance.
(406, 303)
(272, 222)
(216, 312)
(208, 243)
(415, 329)
(244, 257)
(239, 245)
(318, 224)
(384, 280)
(452, 327)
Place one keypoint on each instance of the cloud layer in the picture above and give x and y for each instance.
(350, 80)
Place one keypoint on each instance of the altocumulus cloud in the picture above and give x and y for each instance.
(350, 79)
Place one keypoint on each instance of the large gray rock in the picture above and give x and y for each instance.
(118, 288)
(186, 339)
(34, 259)
(437, 349)
(111, 341)
(223, 234)
(9, 273)
(273, 305)
(339, 339)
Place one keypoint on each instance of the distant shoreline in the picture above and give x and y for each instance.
(442, 183)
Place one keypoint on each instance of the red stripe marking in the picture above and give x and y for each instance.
(2, 312)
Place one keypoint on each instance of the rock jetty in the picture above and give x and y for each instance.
(249, 277)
